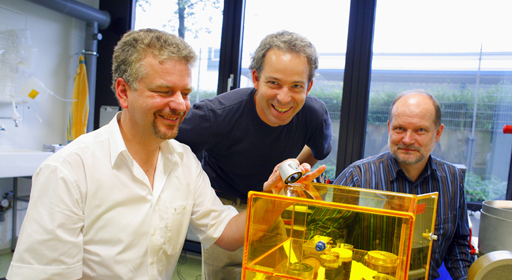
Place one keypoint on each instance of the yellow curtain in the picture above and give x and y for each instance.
(79, 110)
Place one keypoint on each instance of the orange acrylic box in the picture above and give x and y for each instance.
(327, 232)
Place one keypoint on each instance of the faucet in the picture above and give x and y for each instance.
(16, 124)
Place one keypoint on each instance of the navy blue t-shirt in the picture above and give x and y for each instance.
(239, 151)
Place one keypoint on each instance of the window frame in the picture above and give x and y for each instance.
(355, 99)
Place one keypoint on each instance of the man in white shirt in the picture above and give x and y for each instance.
(116, 203)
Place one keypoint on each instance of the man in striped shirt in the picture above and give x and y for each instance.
(414, 127)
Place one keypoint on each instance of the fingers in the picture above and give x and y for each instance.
(308, 177)
(305, 167)
(275, 182)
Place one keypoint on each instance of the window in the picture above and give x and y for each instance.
(202, 30)
(462, 54)
(325, 24)
(203, 27)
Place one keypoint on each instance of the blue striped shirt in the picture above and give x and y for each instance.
(382, 172)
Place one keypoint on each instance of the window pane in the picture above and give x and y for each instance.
(203, 28)
(325, 24)
(461, 52)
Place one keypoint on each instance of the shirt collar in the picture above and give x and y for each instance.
(393, 166)
(117, 146)
(430, 167)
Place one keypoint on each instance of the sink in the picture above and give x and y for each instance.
(20, 163)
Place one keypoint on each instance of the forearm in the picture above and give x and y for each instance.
(232, 237)
(306, 156)
(266, 212)
(458, 259)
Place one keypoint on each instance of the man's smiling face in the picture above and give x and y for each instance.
(282, 87)
(160, 102)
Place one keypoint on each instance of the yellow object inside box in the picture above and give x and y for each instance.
(327, 232)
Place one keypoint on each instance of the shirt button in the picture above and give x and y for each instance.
(153, 232)
(152, 262)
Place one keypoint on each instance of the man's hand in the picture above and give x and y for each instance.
(276, 182)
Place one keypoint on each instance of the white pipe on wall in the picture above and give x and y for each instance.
(77, 10)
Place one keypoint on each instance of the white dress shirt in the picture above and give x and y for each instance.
(93, 214)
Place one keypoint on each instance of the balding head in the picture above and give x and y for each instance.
(435, 104)
(414, 127)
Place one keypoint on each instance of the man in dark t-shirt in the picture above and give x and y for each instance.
(241, 135)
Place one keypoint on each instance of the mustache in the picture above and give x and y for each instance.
(175, 113)
(410, 147)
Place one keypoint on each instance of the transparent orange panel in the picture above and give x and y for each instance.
(320, 231)
(426, 208)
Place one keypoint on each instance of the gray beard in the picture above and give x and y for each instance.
(161, 135)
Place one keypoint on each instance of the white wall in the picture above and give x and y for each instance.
(59, 39)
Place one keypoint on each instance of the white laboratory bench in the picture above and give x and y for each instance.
(18, 164)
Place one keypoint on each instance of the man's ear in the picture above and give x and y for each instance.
(439, 132)
(255, 79)
(122, 89)
(309, 87)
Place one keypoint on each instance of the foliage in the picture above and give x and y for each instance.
(200, 95)
(330, 163)
(493, 110)
(327, 90)
(330, 93)
(478, 188)
(494, 104)
(379, 104)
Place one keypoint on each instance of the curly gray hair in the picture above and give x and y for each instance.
(135, 46)
(286, 41)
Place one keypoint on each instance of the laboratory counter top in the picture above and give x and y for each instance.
(20, 163)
